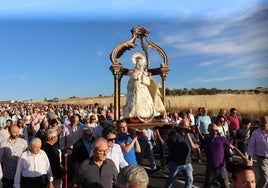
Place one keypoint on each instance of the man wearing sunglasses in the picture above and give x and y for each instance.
(213, 147)
(114, 150)
(82, 149)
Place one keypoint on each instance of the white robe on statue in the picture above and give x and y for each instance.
(143, 96)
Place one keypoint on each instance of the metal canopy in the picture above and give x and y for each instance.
(139, 34)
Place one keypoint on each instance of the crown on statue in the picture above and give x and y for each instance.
(137, 57)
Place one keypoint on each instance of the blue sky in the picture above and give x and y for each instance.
(61, 48)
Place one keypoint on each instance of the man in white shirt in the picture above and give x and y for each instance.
(10, 151)
(114, 150)
(33, 168)
(70, 134)
(16, 117)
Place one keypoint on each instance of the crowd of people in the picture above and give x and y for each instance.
(43, 145)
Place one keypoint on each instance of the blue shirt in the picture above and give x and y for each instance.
(130, 156)
(203, 122)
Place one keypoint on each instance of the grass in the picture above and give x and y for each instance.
(248, 105)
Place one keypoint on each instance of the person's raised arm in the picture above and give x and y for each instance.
(128, 147)
(237, 151)
(160, 137)
(192, 144)
(137, 146)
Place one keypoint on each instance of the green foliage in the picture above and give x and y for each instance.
(211, 91)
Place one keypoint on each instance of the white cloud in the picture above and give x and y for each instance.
(239, 36)
(235, 36)
(212, 29)
(243, 42)
(256, 70)
(207, 63)
(221, 46)
(217, 79)
(13, 77)
(257, 73)
(100, 53)
(133, 8)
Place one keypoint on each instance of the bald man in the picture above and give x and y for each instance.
(33, 168)
(97, 171)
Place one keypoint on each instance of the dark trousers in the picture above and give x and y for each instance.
(216, 176)
(31, 182)
(162, 151)
(7, 183)
(146, 150)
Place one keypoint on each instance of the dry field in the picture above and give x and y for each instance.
(250, 105)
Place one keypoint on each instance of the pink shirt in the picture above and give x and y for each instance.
(234, 123)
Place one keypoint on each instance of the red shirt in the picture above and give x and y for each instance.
(234, 123)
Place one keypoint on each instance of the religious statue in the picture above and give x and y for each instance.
(143, 96)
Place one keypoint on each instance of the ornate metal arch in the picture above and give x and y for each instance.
(138, 34)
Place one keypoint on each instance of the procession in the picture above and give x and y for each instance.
(94, 145)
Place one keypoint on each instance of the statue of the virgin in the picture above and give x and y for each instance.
(143, 96)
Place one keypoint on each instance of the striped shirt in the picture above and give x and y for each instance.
(9, 155)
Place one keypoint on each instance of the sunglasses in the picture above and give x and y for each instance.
(111, 139)
(88, 134)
